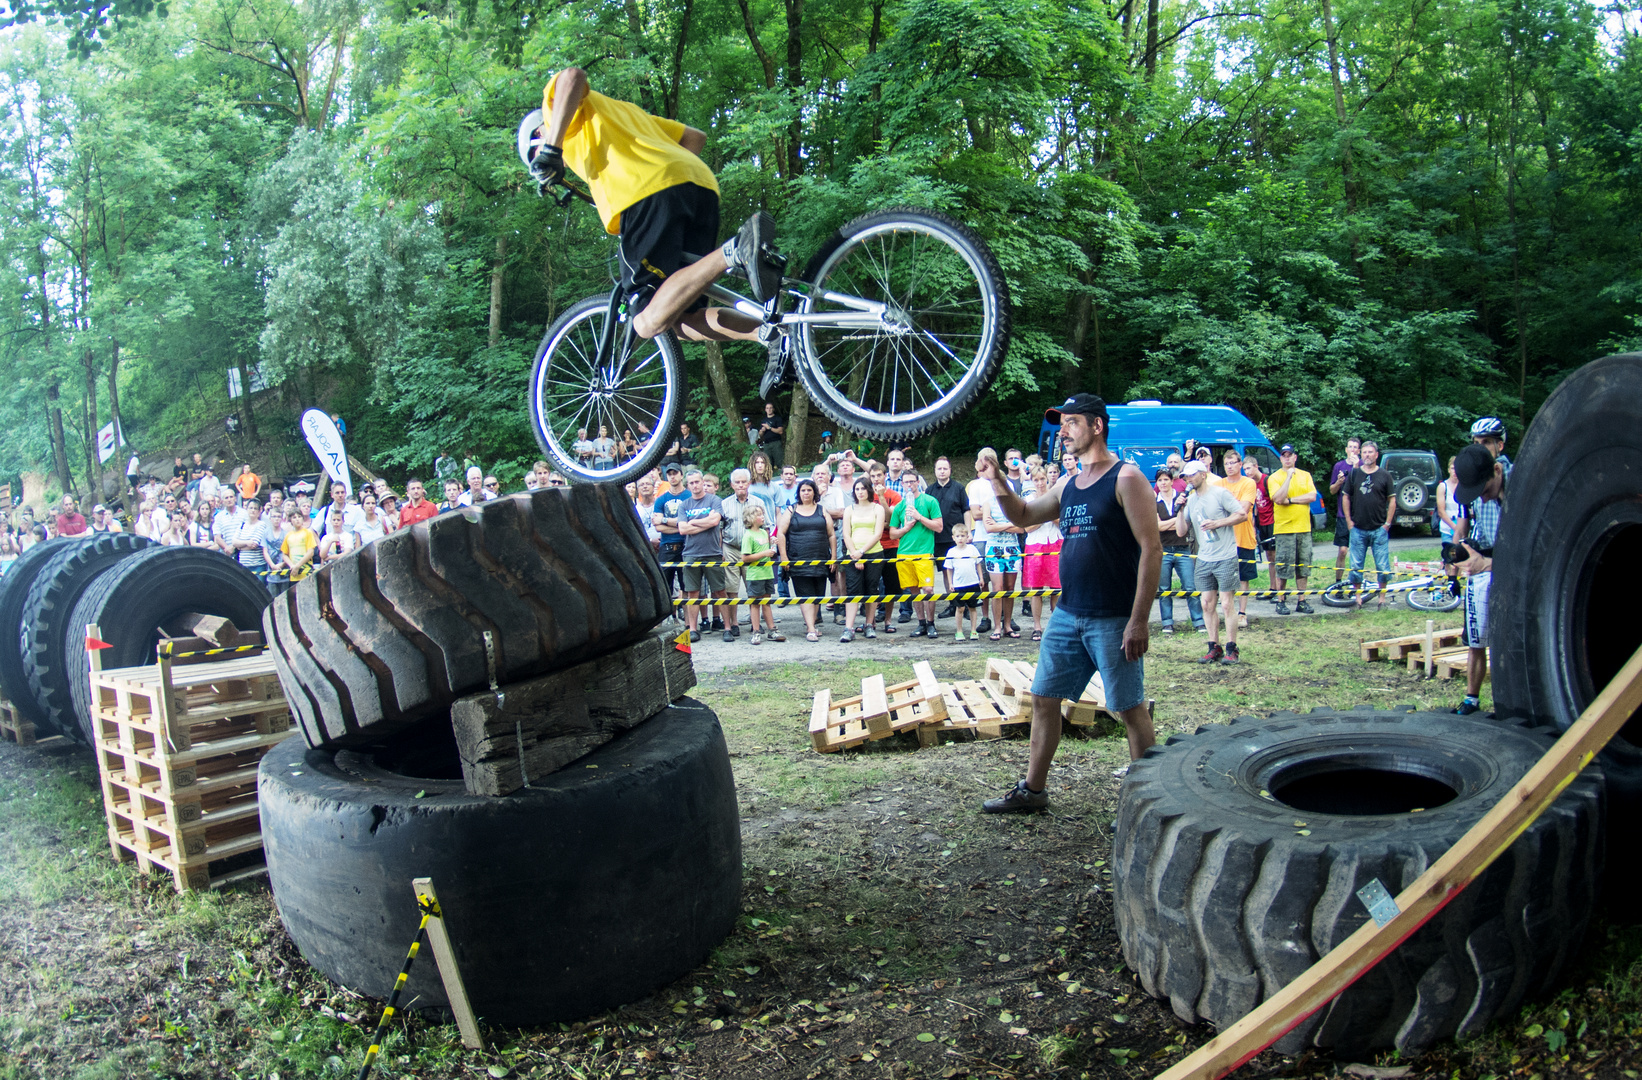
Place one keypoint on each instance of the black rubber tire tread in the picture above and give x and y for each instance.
(394, 632)
(51, 599)
(1341, 594)
(1221, 901)
(666, 425)
(14, 588)
(587, 890)
(1555, 610)
(130, 601)
(990, 365)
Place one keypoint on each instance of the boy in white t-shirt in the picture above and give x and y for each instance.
(963, 562)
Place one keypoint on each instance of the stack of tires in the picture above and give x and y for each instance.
(128, 587)
(589, 888)
(1240, 849)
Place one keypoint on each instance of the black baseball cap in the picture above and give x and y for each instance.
(1287, 448)
(1081, 404)
(1474, 466)
(673, 466)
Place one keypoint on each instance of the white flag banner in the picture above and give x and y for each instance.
(326, 441)
(105, 443)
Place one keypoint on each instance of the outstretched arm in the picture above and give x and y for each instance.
(569, 91)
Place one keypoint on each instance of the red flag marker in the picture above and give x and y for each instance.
(682, 642)
(96, 643)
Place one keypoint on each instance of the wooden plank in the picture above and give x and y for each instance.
(535, 727)
(455, 992)
(1457, 868)
(220, 632)
(874, 704)
(928, 685)
(819, 708)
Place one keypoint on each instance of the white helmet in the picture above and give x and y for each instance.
(530, 136)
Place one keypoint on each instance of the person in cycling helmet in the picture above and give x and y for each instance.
(654, 192)
(1490, 432)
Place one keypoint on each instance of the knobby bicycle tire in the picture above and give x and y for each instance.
(570, 391)
(948, 302)
(1343, 594)
(1436, 597)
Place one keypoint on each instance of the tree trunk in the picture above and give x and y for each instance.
(497, 271)
(88, 416)
(795, 82)
(59, 443)
(1079, 305)
(1340, 111)
(1151, 39)
(798, 423)
(675, 84)
(719, 377)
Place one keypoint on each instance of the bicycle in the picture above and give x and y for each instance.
(897, 325)
(1431, 592)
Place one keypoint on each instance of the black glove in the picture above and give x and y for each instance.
(547, 166)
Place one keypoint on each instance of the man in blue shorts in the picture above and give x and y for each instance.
(1109, 566)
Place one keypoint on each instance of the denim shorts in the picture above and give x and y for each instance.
(1075, 647)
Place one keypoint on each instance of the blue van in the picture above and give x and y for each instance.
(1147, 432)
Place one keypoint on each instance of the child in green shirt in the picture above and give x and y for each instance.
(757, 555)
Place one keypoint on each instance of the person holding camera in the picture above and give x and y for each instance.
(772, 431)
(1481, 488)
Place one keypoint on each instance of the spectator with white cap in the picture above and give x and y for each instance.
(1209, 517)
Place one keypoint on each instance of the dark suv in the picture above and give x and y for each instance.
(1415, 475)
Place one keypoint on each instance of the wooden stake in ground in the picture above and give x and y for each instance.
(1458, 867)
(455, 992)
(1431, 648)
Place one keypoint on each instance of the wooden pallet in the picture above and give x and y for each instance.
(1089, 710)
(975, 706)
(880, 711)
(177, 749)
(19, 729)
(1449, 663)
(1399, 647)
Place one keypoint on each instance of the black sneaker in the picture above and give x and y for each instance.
(736, 630)
(729, 636)
(1231, 656)
(1019, 799)
(984, 627)
(695, 635)
(947, 612)
(906, 616)
(1282, 608)
(748, 254)
(1214, 655)
(718, 623)
(776, 370)
(1466, 708)
(1304, 608)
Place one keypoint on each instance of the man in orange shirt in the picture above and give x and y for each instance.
(417, 508)
(248, 483)
(662, 200)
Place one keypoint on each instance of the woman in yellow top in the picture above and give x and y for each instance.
(661, 199)
(863, 524)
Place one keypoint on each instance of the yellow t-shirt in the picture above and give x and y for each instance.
(1295, 516)
(625, 154)
(299, 544)
(1243, 490)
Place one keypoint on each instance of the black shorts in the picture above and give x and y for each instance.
(1342, 532)
(1268, 542)
(1248, 564)
(661, 232)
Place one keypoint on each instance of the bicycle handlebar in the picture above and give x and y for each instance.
(570, 192)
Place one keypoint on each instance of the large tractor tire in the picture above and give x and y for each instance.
(1240, 850)
(46, 630)
(591, 888)
(1560, 616)
(130, 602)
(396, 631)
(14, 590)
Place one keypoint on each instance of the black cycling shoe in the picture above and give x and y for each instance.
(748, 255)
(776, 372)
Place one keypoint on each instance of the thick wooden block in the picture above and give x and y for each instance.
(529, 729)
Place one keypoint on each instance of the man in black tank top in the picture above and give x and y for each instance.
(1109, 565)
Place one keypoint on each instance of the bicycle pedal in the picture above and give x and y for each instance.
(775, 258)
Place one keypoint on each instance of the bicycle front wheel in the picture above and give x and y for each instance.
(1343, 594)
(574, 391)
(935, 335)
(1438, 596)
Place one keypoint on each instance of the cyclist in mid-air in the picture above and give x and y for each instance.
(662, 200)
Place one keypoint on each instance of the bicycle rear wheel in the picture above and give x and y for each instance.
(939, 342)
(1438, 596)
(1344, 594)
(572, 390)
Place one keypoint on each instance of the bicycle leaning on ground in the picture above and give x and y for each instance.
(896, 326)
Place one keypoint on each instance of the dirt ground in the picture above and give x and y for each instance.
(888, 929)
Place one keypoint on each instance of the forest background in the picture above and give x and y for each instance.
(1339, 216)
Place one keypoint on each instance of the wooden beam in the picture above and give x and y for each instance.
(1457, 868)
(455, 991)
(509, 737)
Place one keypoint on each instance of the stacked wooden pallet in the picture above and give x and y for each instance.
(929, 707)
(18, 728)
(177, 748)
(1398, 648)
(1447, 662)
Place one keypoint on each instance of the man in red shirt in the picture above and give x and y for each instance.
(70, 522)
(418, 508)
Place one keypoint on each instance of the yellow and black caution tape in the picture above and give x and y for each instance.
(165, 650)
(430, 910)
(1008, 594)
(1011, 555)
